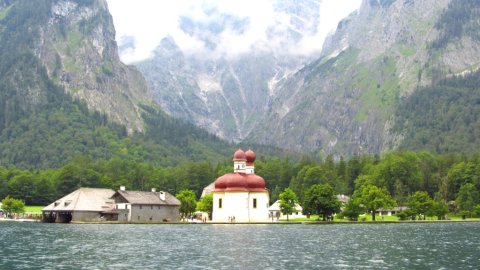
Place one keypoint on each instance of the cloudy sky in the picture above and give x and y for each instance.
(147, 22)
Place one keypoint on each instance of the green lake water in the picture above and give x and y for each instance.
(352, 246)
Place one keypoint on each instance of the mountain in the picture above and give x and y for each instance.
(222, 91)
(74, 41)
(346, 102)
(64, 93)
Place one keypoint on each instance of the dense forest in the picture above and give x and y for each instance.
(458, 20)
(400, 173)
(42, 126)
(443, 118)
(64, 128)
(52, 144)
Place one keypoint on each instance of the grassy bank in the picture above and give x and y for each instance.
(368, 218)
(33, 209)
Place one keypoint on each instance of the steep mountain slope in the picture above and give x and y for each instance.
(443, 118)
(227, 93)
(344, 103)
(75, 42)
(64, 93)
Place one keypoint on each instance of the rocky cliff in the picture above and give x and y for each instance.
(224, 92)
(344, 102)
(74, 42)
(64, 93)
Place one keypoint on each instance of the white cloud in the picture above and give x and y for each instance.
(149, 21)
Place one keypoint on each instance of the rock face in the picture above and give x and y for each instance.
(74, 41)
(227, 94)
(343, 103)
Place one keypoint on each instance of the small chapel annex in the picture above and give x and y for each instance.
(241, 196)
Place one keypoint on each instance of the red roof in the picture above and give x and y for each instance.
(240, 182)
(239, 155)
(250, 156)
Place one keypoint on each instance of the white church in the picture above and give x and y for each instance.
(241, 196)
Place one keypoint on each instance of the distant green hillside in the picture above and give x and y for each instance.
(442, 118)
(45, 123)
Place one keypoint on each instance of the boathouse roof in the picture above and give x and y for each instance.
(146, 198)
(84, 199)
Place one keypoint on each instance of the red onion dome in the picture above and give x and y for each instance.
(250, 156)
(239, 155)
(236, 182)
(231, 182)
(255, 183)
(221, 183)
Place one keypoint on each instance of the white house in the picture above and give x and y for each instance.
(276, 214)
(241, 196)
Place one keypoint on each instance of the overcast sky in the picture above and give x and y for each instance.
(149, 21)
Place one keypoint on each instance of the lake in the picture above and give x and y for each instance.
(352, 246)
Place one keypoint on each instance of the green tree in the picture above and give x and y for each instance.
(399, 173)
(11, 205)
(476, 210)
(458, 175)
(22, 185)
(80, 172)
(205, 204)
(373, 198)
(288, 200)
(321, 200)
(188, 202)
(439, 207)
(420, 203)
(467, 199)
(353, 209)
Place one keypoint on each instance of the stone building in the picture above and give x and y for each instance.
(82, 205)
(102, 205)
(146, 207)
(240, 196)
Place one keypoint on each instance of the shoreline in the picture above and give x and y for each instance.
(287, 223)
(255, 223)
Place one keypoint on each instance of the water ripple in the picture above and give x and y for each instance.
(359, 246)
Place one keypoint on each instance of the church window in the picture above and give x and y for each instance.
(255, 203)
(220, 203)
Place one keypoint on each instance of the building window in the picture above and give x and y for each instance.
(255, 203)
(220, 203)
(140, 207)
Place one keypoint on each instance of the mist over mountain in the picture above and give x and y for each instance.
(395, 75)
(346, 101)
(220, 67)
(342, 100)
(64, 93)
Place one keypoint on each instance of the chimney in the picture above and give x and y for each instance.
(154, 190)
(122, 188)
(162, 195)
